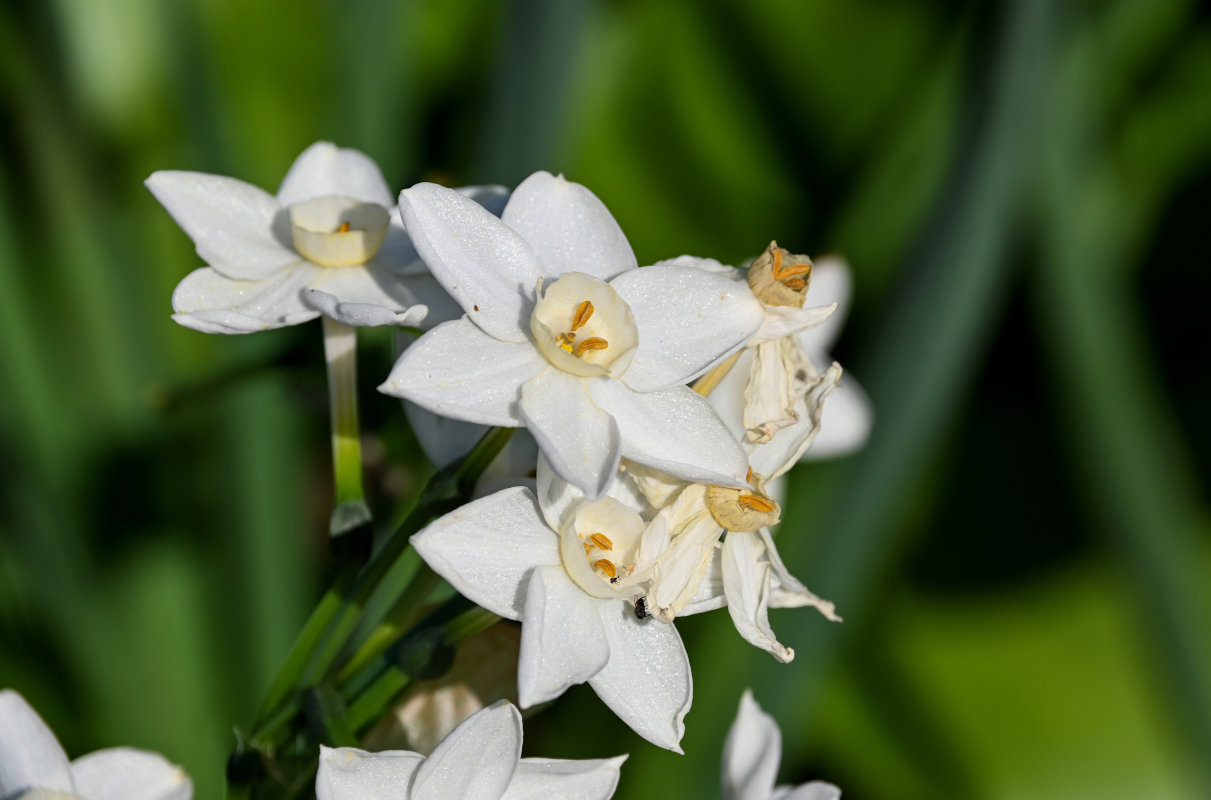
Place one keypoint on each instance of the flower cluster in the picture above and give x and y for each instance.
(661, 405)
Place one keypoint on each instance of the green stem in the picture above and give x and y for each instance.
(423, 653)
(304, 647)
(394, 622)
(340, 351)
(334, 620)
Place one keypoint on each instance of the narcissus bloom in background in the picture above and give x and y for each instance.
(751, 756)
(479, 760)
(564, 335)
(33, 765)
(328, 243)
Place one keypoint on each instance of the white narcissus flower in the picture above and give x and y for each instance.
(750, 760)
(328, 243)
(575, 593)
(33, 765)
(564, 335)
(479, 760)
(787, 422)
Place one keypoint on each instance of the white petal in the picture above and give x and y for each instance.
(746, 583)
(207, 301)
(783, 321)
(325, 169)
(491, 196)
(579, 440)
(845, 422)
(364, 296)
(816, 790)
(236, 227)
(675, 431)
(564, 779)
(556, 496)
(727, 398)
(688, 319)
(487, 548)
(429, 293)
(751, 753)
(361, 315)
(647, 681)
(476, 761)
(444, 440)
(123, 773)
(832, 282)
(397, 253)
(708, 264)
(347, 773)
(562, 642)
(569, 229)
(30, 755)
(484, 265)
(459, 371)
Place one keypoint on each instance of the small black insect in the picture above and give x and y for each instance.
(641, 608)
(614, 580)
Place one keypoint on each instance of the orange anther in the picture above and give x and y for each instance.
(592, 343)
(606, 566)
(583, 312)
(756, 502)
(795, 283)
(344, 228)
(602, 541)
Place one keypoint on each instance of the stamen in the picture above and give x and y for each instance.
(789, 273)
(592, 343)
(795, 283)
(564, 340)
(606, 566)
(755, 502)
(748, 476)
(344, 228)
(602, 541)
(583, 312)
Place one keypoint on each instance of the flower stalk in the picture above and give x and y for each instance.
(338, 614)
(340, 351)
(424, 652)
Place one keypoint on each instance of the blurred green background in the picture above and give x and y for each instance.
(1021, 551)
